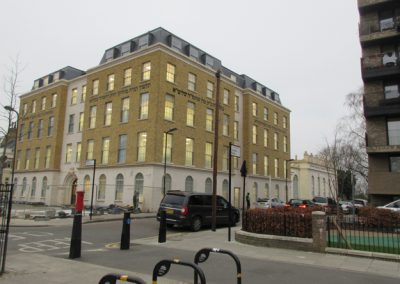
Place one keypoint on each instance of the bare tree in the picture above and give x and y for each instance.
(347, 150)
(353, 131)
(10, 93)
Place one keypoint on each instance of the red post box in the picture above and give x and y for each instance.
(79, 201)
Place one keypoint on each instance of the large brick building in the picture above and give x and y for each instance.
(380, 42)
(118, 113)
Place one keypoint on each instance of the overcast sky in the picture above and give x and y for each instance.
(307, 51)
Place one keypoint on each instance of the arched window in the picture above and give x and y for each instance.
(101, 195)
(254, 192)
(119, 187)
(312, 186)
(266, 187)
(225, 189)
(189, 184)
(295, 187)
(15, 187)
(33, 191)
(277, 191)
(24, 185)
(44, 187)
(139, 181)
(319, 186)
(86, 186)
(208, 185)
(168, 182)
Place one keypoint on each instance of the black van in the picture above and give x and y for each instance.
(193, 209)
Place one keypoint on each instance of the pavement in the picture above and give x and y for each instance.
(39, 269)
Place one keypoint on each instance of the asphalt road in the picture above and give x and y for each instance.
(101, 246)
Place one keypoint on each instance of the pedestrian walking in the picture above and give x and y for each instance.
(248, 200)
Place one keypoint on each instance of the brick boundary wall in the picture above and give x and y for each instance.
(317, 243)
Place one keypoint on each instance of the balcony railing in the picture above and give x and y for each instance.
(366, 3)
(382, 60)
(383, 28)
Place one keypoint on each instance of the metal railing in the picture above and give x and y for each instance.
(360, 233)
(376, 26)
(5, 214)
(387, 59)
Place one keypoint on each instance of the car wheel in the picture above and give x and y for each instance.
(235, 219)
(196, 224)
(169, 225)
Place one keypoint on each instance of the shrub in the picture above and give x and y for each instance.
(378, 217)
(291, 222)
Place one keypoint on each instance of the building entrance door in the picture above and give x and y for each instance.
(236, 197)
(73, 191)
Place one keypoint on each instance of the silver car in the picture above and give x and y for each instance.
(269, 203)
(394, 206)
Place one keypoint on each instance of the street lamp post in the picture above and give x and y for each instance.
(287, 161)
(165, 154)
(10, 109)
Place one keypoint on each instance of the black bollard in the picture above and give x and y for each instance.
(162, 234)
(126, 231)
(76, 238)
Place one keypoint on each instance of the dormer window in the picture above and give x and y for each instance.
(46, 81)
(176, 43)
(193, 53)
(209, 61)
(110, 54)
(56, 76)
(36, 84)
(144, 41)
(259, 88)
(126, 48)
(233, 78)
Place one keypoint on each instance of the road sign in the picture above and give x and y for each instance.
(235, 151)
(89, 162)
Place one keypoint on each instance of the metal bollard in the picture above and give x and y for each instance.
(163, 267)
(113, 278)
(203, 254)
(162, 233)
(76, 237)
(126, 231)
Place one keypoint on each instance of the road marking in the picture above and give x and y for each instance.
(47, 245)
(24, 235)
(112, 245)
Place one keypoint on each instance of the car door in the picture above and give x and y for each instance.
(222, 210)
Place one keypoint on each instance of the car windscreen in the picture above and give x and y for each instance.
(319, 199)
(173, 199)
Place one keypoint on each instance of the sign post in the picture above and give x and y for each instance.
(92, 163)
(233, 151)
(243, 172)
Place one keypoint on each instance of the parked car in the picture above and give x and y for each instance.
(299, 203)
(269, 203)
(346, 207)
(394, 206)
(358, 203)
(327, 203)
(194, 210)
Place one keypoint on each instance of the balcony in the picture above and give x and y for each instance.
(379, 32)
(370, 5)
(382, 110)
(386, 149)
(384, 183)
(380, 66)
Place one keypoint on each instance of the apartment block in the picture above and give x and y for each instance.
(380, 66)
(118, 113)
